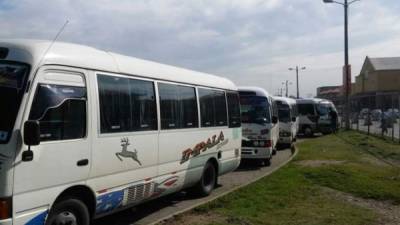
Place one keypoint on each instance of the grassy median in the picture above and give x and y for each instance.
(346, 178)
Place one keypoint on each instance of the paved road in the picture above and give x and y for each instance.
(153, 211)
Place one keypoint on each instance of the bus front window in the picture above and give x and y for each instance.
(323, 110)
(12, 83)
(254, 109)
(284, 113)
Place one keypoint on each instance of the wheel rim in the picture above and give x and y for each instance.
(209, 178)
(65, 218)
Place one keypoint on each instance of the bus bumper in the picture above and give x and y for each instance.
(256, 153)
(285, 140)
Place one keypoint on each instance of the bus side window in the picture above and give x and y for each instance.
(178, 106)
(233, 109)
(306, 109)
(213, 108)
(126, 104)
(61, 112)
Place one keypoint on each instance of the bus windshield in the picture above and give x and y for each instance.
(284, 113)
(255, 109)
(323, 109)
(12, 83)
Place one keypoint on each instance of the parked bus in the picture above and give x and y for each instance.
(259, 123)
(84, 132)
(314, 115)
(288, 120)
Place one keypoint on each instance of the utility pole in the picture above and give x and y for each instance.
(346, 68)
(297, 79)
(286, 83)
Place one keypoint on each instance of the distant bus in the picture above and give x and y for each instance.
(259, 123)
(288, 120)
(84, 132)
(314, 115)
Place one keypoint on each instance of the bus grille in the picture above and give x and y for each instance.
(139, 192)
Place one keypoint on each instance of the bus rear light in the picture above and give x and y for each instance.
(5, 208)
(268, 143)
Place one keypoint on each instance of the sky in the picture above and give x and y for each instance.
(251, 42)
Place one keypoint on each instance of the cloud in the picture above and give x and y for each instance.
(252, 42)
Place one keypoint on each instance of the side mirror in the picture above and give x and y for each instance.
(32, 133)
(31, 138)
(274, 119)
(293, 119)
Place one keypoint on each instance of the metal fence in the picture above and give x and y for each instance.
(376, 114)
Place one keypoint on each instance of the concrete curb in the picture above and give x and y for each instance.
(227, 192)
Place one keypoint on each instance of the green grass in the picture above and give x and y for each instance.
(296, 194)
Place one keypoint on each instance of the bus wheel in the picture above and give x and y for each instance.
(70, 211)
(308, 132)
(267, 161)
(207, 182)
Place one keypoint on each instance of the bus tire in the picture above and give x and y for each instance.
(308, 132)
(69, 211)
(207, 181)
(267, 161)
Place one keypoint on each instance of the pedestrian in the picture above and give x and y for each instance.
(384, 124)
(334, 117)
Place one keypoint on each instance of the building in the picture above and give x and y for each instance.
(378, 84)
(333, 93)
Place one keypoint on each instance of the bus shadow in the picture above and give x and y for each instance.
(134, 214)
(249, 165)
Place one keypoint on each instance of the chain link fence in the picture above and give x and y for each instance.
(376, 114)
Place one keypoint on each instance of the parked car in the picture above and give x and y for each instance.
(376, 115)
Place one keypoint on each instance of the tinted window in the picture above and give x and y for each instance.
(213, 108)
(284, 113)
(143, 105)
(233, 109)
(305, 109)
(178, 106)
(61, 112)
(220, 108)
(126, 104)
(189, 105)
(12, 82)
(207, 107)
(323, 109)
(255, 109)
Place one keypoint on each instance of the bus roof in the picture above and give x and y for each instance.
(61, 53)
(256, 91)
(289, 101)
(312, 101)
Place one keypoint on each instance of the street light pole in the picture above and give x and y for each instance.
(286, 83)
(346, 69)
(297, 82)
(297, 79)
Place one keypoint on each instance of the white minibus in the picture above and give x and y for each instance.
(288, 120)
(84, 132)
(314, 115)
(259, 124)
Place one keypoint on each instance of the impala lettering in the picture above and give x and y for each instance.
(203, 146)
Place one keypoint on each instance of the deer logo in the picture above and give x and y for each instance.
(127, 154)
